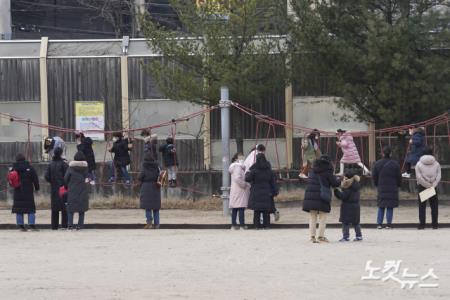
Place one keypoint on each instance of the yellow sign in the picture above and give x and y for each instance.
(90, 116)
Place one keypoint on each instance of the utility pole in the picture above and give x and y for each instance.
(225, 104)
(5, 20)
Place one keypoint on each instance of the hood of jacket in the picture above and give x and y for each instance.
(348, 182)
(235, 166)
(428, 160)
(321, 166)
(150, 165)
(78, 166)
(21, 166)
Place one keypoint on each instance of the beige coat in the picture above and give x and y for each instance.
(428, 171)
(240, 190)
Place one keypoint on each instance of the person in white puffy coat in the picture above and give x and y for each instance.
(239, 192)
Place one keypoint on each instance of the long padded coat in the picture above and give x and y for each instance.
(312, 200)
(240, 190)
(263, 187)
(350, 196)
(23, 199)
(55, 176)
(75, 180)
(417, 147)
(86, 147)
(150, 193)
(387, 177)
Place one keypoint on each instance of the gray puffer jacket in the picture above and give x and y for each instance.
(428, 171)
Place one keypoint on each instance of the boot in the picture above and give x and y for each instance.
(22, 228)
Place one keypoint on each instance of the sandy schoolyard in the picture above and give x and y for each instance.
(217, 264)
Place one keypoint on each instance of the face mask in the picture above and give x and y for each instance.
(115, 139)
(241, 161)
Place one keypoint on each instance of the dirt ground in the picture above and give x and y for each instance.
(215, 264)
(289, 215)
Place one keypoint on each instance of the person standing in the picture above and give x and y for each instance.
(150, 198)
(387, 177)
(239, 191)
(170, 160)
(55, 176)
(84, 144)
(350, 208)
(77, 196)
(23, 198)
(428, 175)
(350, 151)
(263, 189)
(310, 151)
(417, 146)
(317, 201)
(121, 149)
(249, 162)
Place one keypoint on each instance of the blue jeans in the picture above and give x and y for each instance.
(123, 171)
(149, 217)
(234, 214)
(70, 216)
(389, 215)
(31, 219)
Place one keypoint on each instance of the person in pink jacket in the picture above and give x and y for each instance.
(351, 155)
(239, 192)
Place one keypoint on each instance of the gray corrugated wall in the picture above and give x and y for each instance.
(141, 85)
(19, 79)
(83, 79)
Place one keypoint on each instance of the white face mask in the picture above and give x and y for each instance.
(241, 161)
(115, 139)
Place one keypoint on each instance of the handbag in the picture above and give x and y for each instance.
(325, 192)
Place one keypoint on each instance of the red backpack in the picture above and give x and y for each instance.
(14, 179)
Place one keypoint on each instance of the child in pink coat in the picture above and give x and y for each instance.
(351, 155)
(239, 191)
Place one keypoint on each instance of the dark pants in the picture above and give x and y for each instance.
(55, 219)
(346, 230)
(265, 218)
(234, 214)
(80, 219)
(434, 203)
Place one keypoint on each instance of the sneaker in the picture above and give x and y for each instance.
(388, 226)
(277, 216)
(358, 239)
(86, 180)
(367, 173)
(379, 226)
(344, 240)
(303, 176)
(313, 240)
(148, 226)
(33, 228)
(22, 228)
(112, 180)
(92, 182)
(245, 227)
(127, 182)
(435, 227)
(70, 228)
(234, 228)
(406, 175)
(78, 228)
(323, 239)
(421, 227)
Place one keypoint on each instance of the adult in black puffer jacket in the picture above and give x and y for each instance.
(150, 198)
(263, 189)
(85, 146)
(55, 176)
(387, 178)
(23, 199)
(322, 174)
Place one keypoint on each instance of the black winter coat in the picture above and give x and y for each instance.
(78, 195)
(121, 153)
(350, 196)
(263, 187)
(88, 151)
(312, 200)
(416, 149)
(387, 177)
(55, 176)
(169, 155)
(150, 192)
(23, 199)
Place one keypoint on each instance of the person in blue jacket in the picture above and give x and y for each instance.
(417, 146)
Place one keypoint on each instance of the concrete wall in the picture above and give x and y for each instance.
(17, 132)
(323, 113)
(152, 112)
